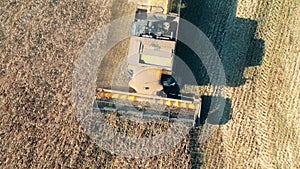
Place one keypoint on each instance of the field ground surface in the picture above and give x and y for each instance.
(259, 45)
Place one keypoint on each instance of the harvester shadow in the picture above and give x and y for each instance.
(233, 38)
(235, 41)
(213, 113)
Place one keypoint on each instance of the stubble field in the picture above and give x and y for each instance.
(259, 45)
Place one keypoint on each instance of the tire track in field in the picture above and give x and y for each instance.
(269, 75)
(269, 84)
(257, 137)
(273, 106)
(239, 133)
(288, 131)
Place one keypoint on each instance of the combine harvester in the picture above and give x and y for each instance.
(154, 91)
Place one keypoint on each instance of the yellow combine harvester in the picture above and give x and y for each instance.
(155, 92)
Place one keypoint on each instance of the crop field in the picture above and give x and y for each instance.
(258, 42)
